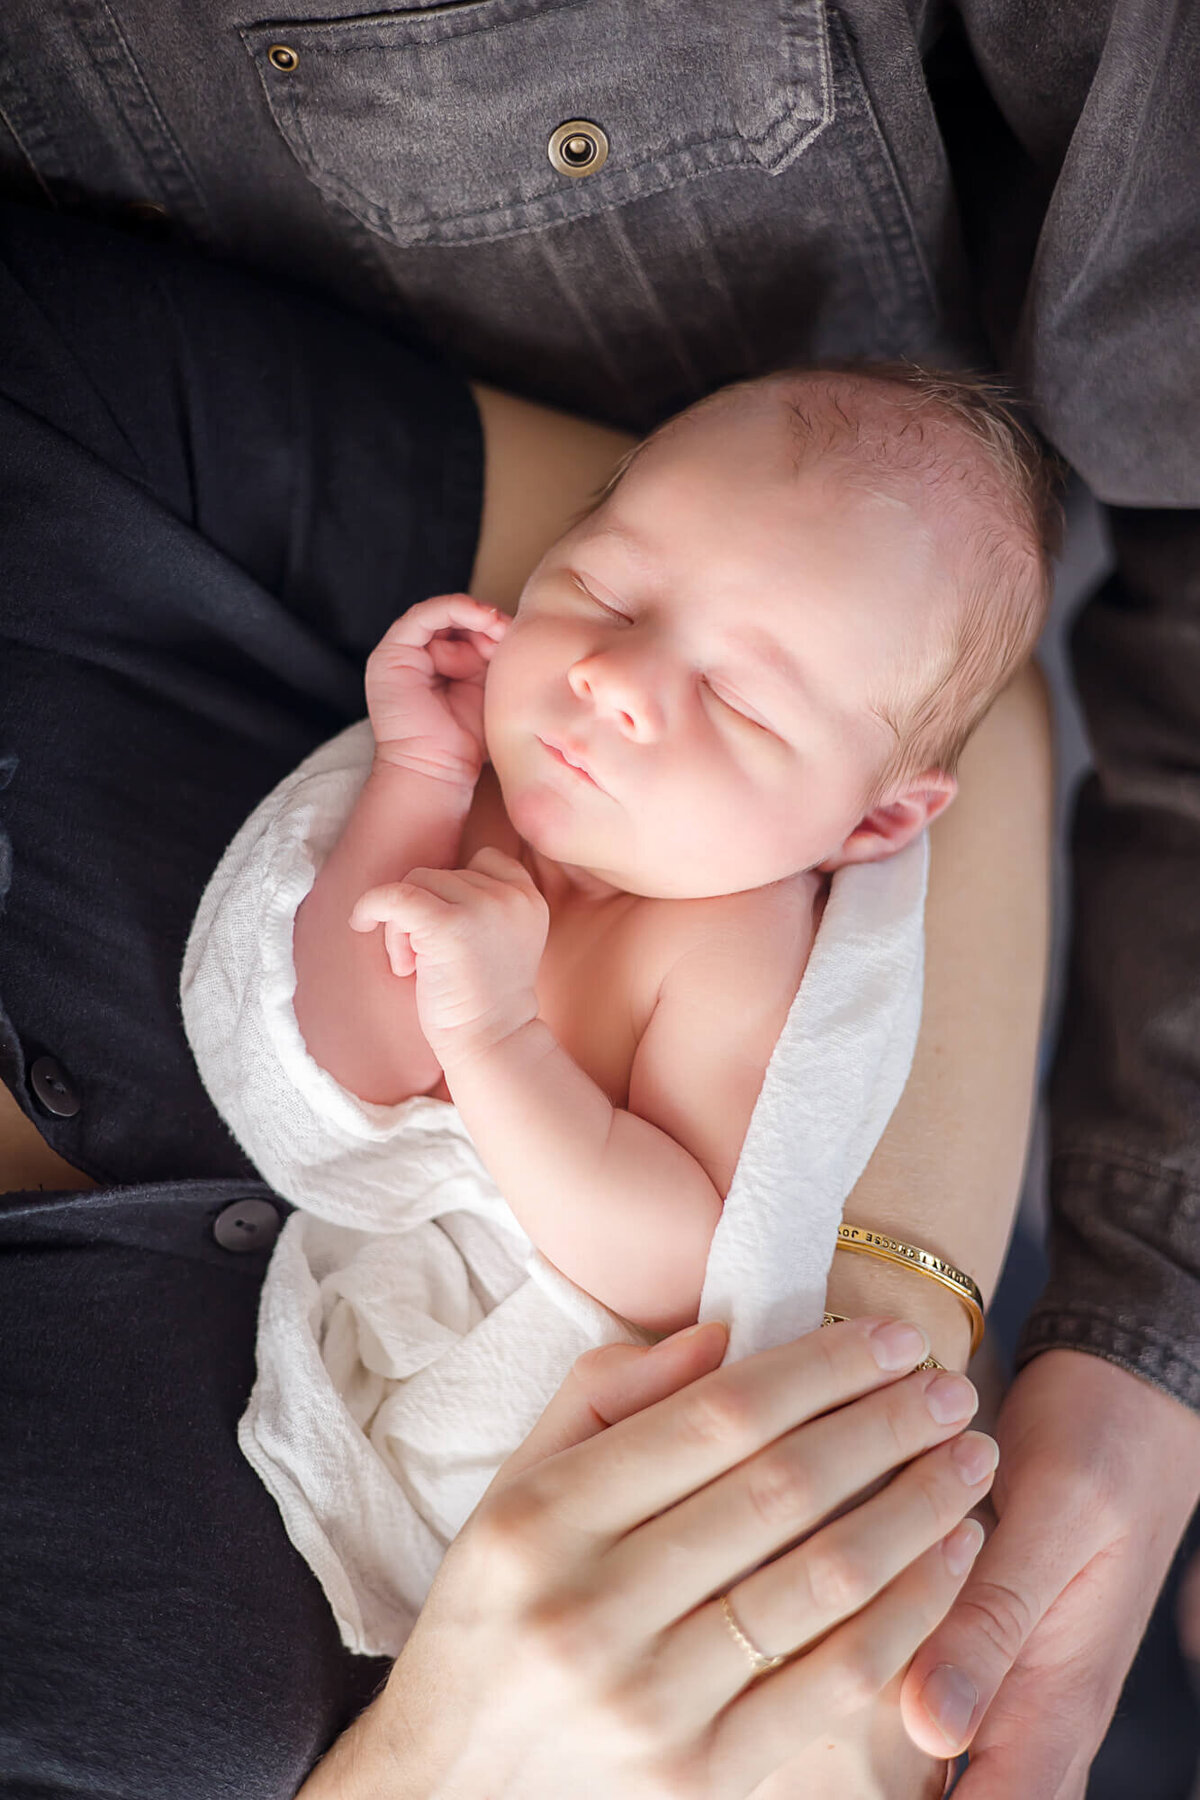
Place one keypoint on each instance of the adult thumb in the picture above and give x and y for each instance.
(958, 1670)
(612, 1382)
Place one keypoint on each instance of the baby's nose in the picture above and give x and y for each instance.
(629, 695)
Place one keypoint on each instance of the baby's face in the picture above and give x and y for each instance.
(707, 646)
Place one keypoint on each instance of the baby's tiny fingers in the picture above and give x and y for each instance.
(401, 903)
(375, 907)
(400, 954)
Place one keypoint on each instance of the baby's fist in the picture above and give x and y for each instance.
(424, 686)
(474, 939)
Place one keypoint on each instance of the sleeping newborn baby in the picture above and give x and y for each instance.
(598, 874)
(497, 1014)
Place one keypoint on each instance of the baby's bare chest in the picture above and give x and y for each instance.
(596, 987)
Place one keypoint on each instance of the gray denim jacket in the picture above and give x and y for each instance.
(760, 183)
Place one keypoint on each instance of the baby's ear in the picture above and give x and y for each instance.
(895, 821)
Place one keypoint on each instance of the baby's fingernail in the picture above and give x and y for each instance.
(898, 1346)
(950, 1699)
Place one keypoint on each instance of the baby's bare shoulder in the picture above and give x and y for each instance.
(759, 939)
(729, 969)
(774, 925)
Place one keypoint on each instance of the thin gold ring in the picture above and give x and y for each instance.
(760, 1662)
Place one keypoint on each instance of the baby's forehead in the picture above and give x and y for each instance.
(868, 432)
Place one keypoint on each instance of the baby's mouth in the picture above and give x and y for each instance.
(568, 762)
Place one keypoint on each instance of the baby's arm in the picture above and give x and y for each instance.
(359, 1022)
(625, 1200)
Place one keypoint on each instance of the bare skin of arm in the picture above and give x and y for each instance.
(947, 1173)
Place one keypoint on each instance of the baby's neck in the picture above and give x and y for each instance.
(565, 886)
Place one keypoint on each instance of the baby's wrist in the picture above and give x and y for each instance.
(447, 776)
(513, 1032)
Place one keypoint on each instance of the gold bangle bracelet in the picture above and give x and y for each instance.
(931, 1362)
(874, 1243)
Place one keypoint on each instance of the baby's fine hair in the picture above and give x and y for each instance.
(960, 438)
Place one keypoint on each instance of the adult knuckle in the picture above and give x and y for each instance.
(938, 1492)
(900, 1426)
(720, 1414)
(834, 1355)
(780, 1488)
(564, 1635)
(1000, 1613)
(676, 1778)
(839, 1579)
(633, 1718)
(511, 1526)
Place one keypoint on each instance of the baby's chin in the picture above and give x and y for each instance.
(561, 837)
(562, 832)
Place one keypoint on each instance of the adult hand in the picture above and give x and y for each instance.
(574, 1640)
(1099, 1473)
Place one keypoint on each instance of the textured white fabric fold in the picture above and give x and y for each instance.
(409, 1332)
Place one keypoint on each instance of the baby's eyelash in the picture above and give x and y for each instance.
(595, 598)
(727, 704)
(736, 711)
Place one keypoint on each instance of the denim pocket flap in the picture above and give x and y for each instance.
(432, 125)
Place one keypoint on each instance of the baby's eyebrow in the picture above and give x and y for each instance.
(766, 652)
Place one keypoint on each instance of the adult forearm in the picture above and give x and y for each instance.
(608, 1198)
(947, 1172)
(359, 1020)
(1125, 1248)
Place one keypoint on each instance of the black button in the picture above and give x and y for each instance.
(53, 1088)
(246, 1225)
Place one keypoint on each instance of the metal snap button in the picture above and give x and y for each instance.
(53, 1088)
(578, 148)
(246, 1225)
(283, 58)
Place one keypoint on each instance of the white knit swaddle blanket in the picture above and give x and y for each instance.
(409, 1333)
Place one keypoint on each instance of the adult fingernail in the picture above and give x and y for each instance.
(950, 1699)
(691, 1331)
(951, 1398)
(975, 1456)
(962, 1546)
(898, 1346)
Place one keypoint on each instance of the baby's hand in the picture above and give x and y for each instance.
(474, 938)
(425, 687)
